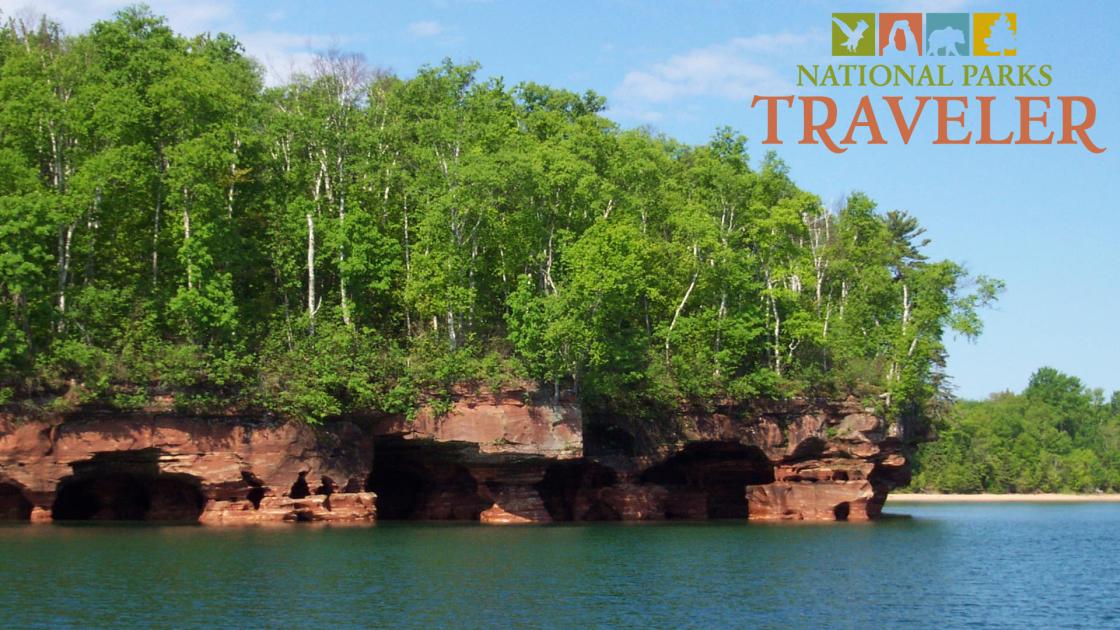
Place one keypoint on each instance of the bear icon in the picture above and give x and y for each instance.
(944, 41)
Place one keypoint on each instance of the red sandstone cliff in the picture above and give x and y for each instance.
(515, 458)
(161, 467)
(483, 460)
(795, 460)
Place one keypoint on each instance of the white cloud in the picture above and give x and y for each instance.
(284, 54)
(185, 16)
(280, 53)
(426, 28)
(733, 70)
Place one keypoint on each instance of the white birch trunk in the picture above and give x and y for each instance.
(311, 269)
(187, 237)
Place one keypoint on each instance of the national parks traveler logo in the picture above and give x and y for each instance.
(910, 50)
(943, 35)
(853, 34)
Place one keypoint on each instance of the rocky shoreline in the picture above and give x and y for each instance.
(513, 458)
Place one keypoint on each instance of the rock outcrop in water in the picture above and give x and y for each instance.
(520, 459)
(170, 468)
(794, 460)
(483, 460)
(512, 458)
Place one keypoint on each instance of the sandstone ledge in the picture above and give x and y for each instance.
(176, 469)
(507, 459)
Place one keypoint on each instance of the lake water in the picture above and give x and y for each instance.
(945, 566)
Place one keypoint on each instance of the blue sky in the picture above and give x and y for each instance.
(1043, 218)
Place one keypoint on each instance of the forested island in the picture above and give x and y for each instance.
(353, 240)
(1056, 436)
(596, 323)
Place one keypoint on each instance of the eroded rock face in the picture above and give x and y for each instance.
(518, 424)
(165, 468)
(813, 501)
(342, 507)
(481, 461)
(508, 459)
(795, 460)
(516, 460)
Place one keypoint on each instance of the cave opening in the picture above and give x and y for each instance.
(841, 511)
(422, 481)
(256, 488)
(300, 489)
(255, 496)
(127, 497)
(708, 480)
(14, 506)
(127, 486)
(327, 486)
(569, 491)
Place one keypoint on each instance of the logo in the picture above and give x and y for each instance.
(853, 34)
(994, 34)
(942, 34)
(948, 34)
(900, 34)
(910, 50)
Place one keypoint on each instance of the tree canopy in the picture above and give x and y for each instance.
(1056, 436)
(353, 241)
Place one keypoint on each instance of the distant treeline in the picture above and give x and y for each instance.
(1056, 436)
(352, 241)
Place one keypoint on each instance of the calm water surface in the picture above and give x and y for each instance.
(947, 566)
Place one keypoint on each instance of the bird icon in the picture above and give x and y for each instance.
(853, 34)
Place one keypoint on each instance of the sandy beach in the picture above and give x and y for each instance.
(1004, 498)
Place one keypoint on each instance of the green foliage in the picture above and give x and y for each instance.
(1057, 436)
(352, 242)
(334, 371)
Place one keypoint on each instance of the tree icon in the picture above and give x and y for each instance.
(1002, 36)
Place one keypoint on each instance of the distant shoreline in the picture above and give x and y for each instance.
(1004, 498)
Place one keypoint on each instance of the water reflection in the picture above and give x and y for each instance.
(1000, 565)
